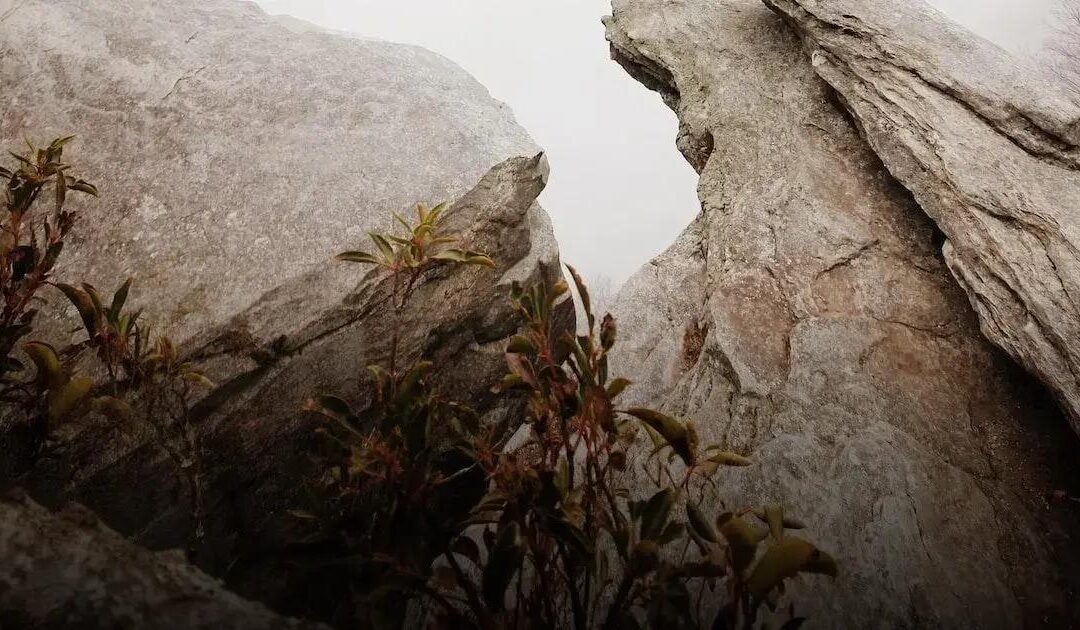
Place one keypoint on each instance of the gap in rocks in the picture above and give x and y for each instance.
(619, 192)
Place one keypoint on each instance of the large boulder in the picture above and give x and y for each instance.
(233, 150)
(807, 317)
(990, 148)
(235, 157)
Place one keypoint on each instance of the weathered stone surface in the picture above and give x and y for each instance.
(69, 571)
(235, 157)
(990, 148)
(807, 317)
(232, 152)
(256, 442)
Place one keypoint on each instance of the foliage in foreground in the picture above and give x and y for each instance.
(561, 536)
(592, 523)
(132, 379)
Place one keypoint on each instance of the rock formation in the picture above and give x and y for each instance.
(876, 187)
(69, 571)
(232, 151)
(807, 316)
(989, 147)
(235, 157)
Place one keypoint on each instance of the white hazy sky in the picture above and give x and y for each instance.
(620, 192)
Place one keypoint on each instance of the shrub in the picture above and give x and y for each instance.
(594, 522)
(145, 381)
(31, 241)
(558, 537)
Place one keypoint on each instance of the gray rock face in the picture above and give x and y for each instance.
(69, 571)
(235, 157)
(807, 317)
(989, 147)
(232, 152)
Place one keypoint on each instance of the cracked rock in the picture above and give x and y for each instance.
(236, 156)
(989, 147)
(838, 350)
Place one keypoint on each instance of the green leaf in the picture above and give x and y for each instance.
(198, 378)
(480, 260)
(52, 253)
(617, 387)
(451, 255)
(83, 187)
(84, 304)
(656, 513)
(583, 292)
(671, 533)
(335, 409)
(673, 432)
(571, 536)
(112, 408)
(50, 373)
(783, 560)
(510, 382)
(383, 245)
(119, 298)
(95, 298)
(503, 564)
(433, 216)
(358, 257)
(520, 344)
(403, 222)
(463, 257)
(701, 525)
(743, 540)
(63, 401)
(20, 158)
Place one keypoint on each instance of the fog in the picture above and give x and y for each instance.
(619, 191)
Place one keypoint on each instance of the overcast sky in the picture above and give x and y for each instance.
(619, 191)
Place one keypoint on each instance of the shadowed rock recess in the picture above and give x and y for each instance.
(808, 317)
(69, 571)
(235, 157)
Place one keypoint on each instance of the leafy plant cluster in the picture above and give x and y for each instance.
(560, 534)
(141, 379)
(593, 523)
(30, 245)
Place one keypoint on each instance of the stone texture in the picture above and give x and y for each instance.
(990, 148)
(232, 150)
(235, 157)
(69, 571)
(806, 316)
(256, 442)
